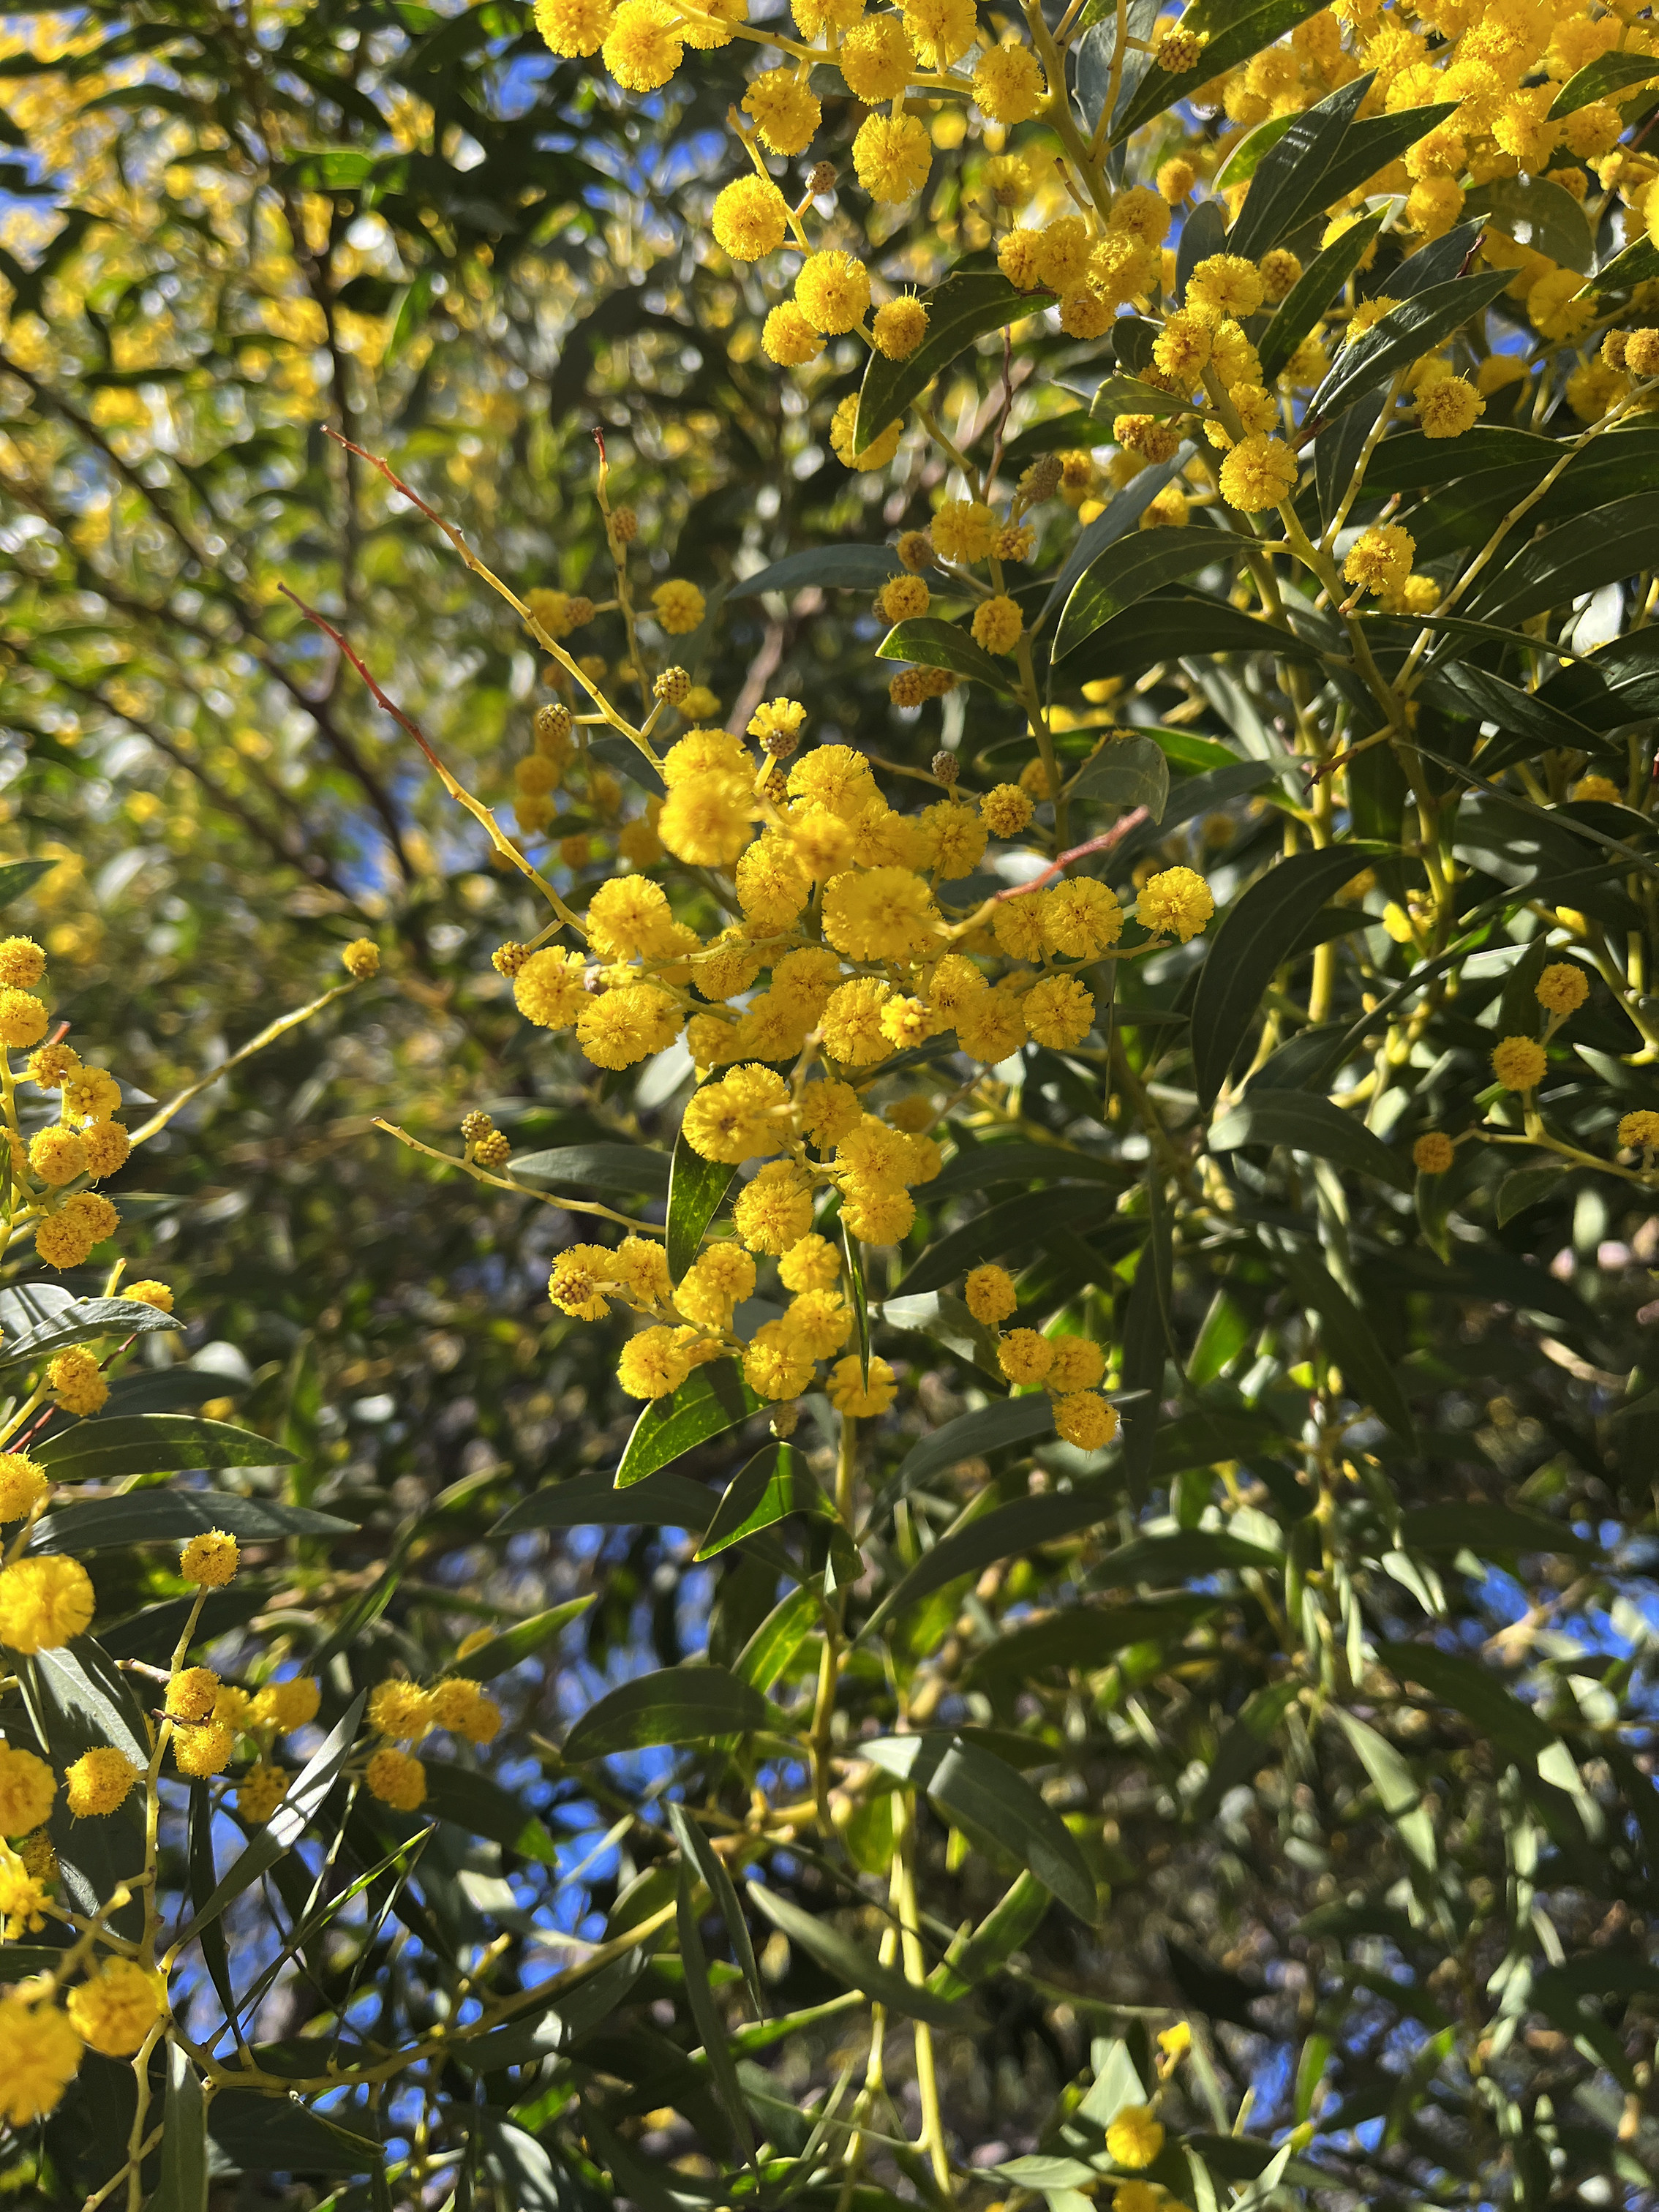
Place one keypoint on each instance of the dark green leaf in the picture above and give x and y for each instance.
(1233, 30)
(1002, 1229)
(778, 1638)
(1604, 78)
(705, 2012)
(1005, 1421)
(774, 1484)
(520, 1641)
(984, 1165)
(1148, 1344)
(1181, 1555)
(1127, 395)
(1123, 514)
(1085, 1637)
(1635, 264)
(968, 304)
(1538, 214)
(857, 1968)
(17, 876)
(980, 1539)
(1477, 1692)
(548, 2026)
(1127, 771)
(110, 1449)
(1574, 559)
(1415, 327)
(1257, 935)
(697, 1848)
(1252, 149)
(931, 643)
(832, 568)
(1371, 145)
(676, 1705)
(660, 1501)
(1348, 1336)
(710, 1401)
(979, 1791)
(1128, 570)
(78, 1699)
(1488, 1530)
(597, 1167)
(1397, 1788)
(1308, 1123)
(1524, 1187)
(183, 2183)
(1289, 182)
(156, 1516)
(695, 1187)
(41, 1319)
(1179, 625)
(1008, 1926)
(473, 1802)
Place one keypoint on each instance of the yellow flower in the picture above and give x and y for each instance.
(26, 1789)
(849, 1394)
(1176, 903)
(22, 964)
(851, 1022)
(773, 1365)
(1448, 407)
(1081, 919)
(991, 1294)
(22, 1486)
(57, 1156)
(1562, 988)
(1005, 810)
(832, 291)
(574, 28)
(210, 1560)
(787, 115)
(1079, 1365)
(286, 1705)
(401, 1711)
(40, 2053)
(192, 1694)
(1224, 285)
(964, 529)
(204, 1750)
(997, 625)
(707, 820)
(644, 45)
(1059, 1011)
(397, 1779)
(1009, 86)
(941, 31)
(774, 1210)
(1259, 472)
(734, 1119)
(23, 1899)
(1433, 1152)
(892, 155)
(716, 1282)
(1082, 1418)
(878, 913)
(652, 1365)
(751, 219)
(45, 1603)
(259, 1792)
(22, 1019)
(1639, 1131)
(1380, 558)
(105, 1146)
(1517, 1062)
(788, 338)
(679, 606)
(902, 599)
(98, 1781)
(1134, 2138)
(361, 959)
(1024, 1355)
(115, 2009)
(67, 1237)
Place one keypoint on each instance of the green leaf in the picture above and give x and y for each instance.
(1604, 78)
(1289, 180)
(1249, 1744)
(710, 1401)
(1084, 1637)
(591, 1500)
(597, 1167)
(471, 1800)
(546, 2028)
(979, 1538)
(1179, 624)
(1416, 326)
(676, 1704)
(77, 1699)
(695, 1187)
(1349, 1338)
(1308, 1123)
(1524, 1187)
(1574, 559)
(1123, 514)
(706, 2012)
(520, 1641)
(1247, 156)
(17, 876)
(1635, 264)
(42, 1319)
(968, 304)
(696, 1847)
(1473, 1690)
(108, 1450)
(980, 1791)
(1233, 30)
(1257, 935)
(980, 1166)
(1373, 144)
(1002, 1229)
(857, 1968)
(1127, 395)
(1127, 771)
(183, 2184)
(946, 1320)
(1526, 722)
(1396, 1787)
(1008, 1926)
(1128, 570)
(159, 1516)
(1097, 47)
(1148, 1344)
(831, 567)
(1538, 214)
(928, 642)
(1183, 1554)
(774, 1484)
(288, 1823)
(1314, 290)
(1486, 1529)
(1005, 1421)
(778, 1637)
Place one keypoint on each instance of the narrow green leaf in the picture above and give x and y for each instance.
(1248, 155)
(778, 1637)
(1232, 30)
(928, 642)
(1148, 1344)
(1127, 771)
(1084, 1637)
(980, 1791)
(982, 1165)
(591, 1500)
(1097, 47)
(108, 1450)
(1005, 1929)
(522, 1641)
(1001, 1229)
(472, 1801)
(1308, 1123)
(1179, 624)
(710, 1401)
(1289, 180)
(41, 1319)
(965, 306)
(857, 1968)
(831, 567)
(1523, 1188)
(1604, 78)
(969, 1436)
(775, 1483)
(979, 1538)
(183, 2185)
(1488, 1530)
(1576, 557)
(1349, 1338)
(204, 1877)
(1372, 144)
(1475, 1691)
(696, 1847)
(157, 1517)
(1416, 326)
(1128, 570)
(1540, 214)
(597, 1167)
(1123, 512)
(706, 2014)
(18, 876)
(675, 1705)
(1127, 395)
(695, 1187)
(1396, 1786)
(1257, 935)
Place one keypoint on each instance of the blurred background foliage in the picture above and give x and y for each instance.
(227, 229)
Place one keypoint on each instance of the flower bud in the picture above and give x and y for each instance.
(673, 685)
(552, 724)
(822, 179)
(493, 1150)
(508, 959)
(625, 524)
(1042, 480)
(946, 768)
(475, 1125)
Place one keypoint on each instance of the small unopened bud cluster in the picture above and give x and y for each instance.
(1041, 481)
(552, 723)
(946, 768)
(822, 179)
(508, 959)
(475, 1125)
(624, 525)
(671, 686)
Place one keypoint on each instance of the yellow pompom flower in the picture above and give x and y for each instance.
(653, 1365)
(707, 820)
(1517, 1062)
(115, 2009)
(1176, 903)
(1259, 472)
(400, 1711)
(22, 964)
(788, 338)
(941, 31)
(899, 327)
(852, 1023)
(880, 449)
(787, 115)
(775, 1210)
(150, 1293)
(39, 2054)
(773, 1365)
(751, 219)
(27, 1791)
(1005, 810)
(1224, 285)
(22, 1019)
(849, 1392)
(1081, 919)
(22, 1486)
(903, 600)
(892, 155)
(361, 959)
(579, 1280)
(1085, 1420)
(1024, 1355)
(878, 913)
(23, 1899)
(990, 1294)
(398, 1779)
(1079, 1365)
(1059, 1011)
(98, 1781)
(645, 44)
(57, 1156)
(1134, 2138)
(812, 1264)
(997, 625)
(260, 1791)
(876, 60)
(204, 1750)
(677, 605)
(574, 28)
(1433, 1152)
(737, 1119)
(105, 1146)
(716, 1282)
(1639, 1131)
(1562, 988)
(192, 1694)
(965, 530)
(1380, 558)
(1450, 407)
(1062, 252)
(288, 1705)
(1009, 86)
(550, 988)
(45, 1603)
(67, 1237)
(210, 1560)
(832, 291)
